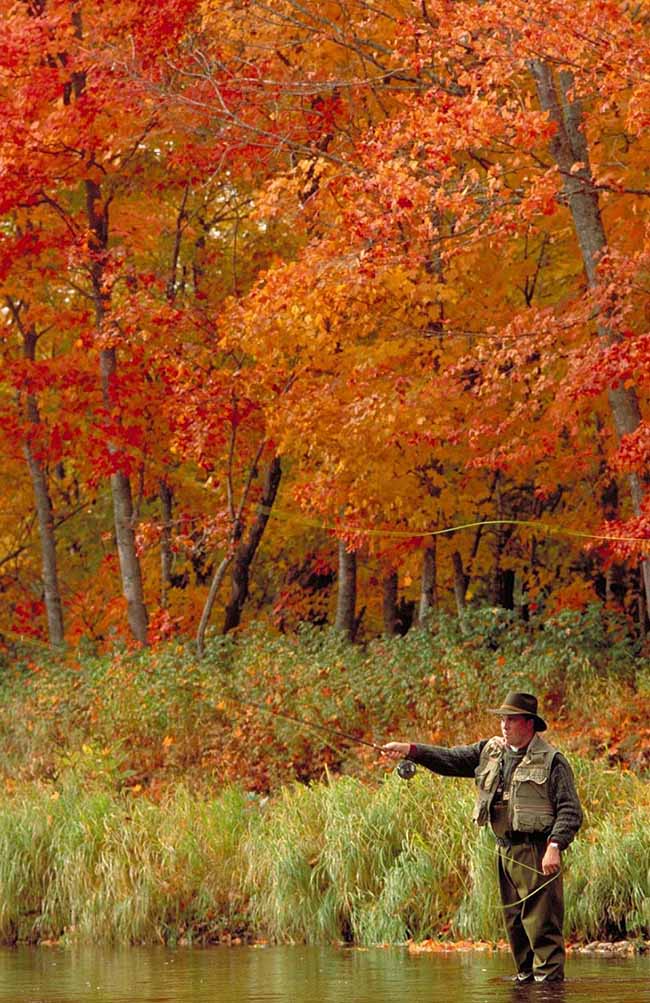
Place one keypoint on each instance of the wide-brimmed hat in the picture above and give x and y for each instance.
(520, 703)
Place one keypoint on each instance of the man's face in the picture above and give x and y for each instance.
(517, 729)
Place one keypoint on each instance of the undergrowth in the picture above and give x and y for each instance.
(151, 797)
(143, 719)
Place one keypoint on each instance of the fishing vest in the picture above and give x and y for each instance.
(529, 806)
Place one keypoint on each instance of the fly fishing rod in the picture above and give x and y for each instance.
(405, 768)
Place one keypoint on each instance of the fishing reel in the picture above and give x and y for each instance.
(405, 769)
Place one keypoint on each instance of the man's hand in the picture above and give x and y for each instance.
(396, 750)
(551, 861)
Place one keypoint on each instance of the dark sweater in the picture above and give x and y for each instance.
(462, 761)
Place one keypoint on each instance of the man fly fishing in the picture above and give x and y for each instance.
(526, 793)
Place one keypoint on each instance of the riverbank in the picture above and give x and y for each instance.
(152, 798)
(341, 860)
(595, 948)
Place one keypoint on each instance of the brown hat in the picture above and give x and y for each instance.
(520, 703)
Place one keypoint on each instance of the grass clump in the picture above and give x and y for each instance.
(343, 862)
(352, 863)
(99, 868)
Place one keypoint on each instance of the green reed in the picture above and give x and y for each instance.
(96, 867)
(338, 860)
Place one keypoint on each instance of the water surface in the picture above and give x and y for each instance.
(299, 975)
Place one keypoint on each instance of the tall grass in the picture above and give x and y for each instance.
(339, 860)
(96, 867)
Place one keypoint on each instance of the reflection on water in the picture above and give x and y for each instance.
(300, 975)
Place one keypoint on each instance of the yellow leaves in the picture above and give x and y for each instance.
(399, 282)
(314, 168)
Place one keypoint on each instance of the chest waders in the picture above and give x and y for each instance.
(518, 809)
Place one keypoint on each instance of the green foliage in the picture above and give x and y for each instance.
(257, 710)
(492, 650)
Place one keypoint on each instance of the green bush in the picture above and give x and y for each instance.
(257, 709)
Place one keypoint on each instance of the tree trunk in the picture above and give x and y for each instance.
(389, 604)
(98, 226)
(347, 592)
(503, 588)
(428, 584)
(215, 585)
(245, 551)
(461, 581)
(569, 148)
(166, 505)
(123, 520)
(51, 591)
(97, 212)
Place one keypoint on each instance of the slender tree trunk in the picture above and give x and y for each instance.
(347, 592)
(428, 584)
(246, 550)
(97, 218)
(51, 593)
(43, 500)
(167, 509)
(569, 149)
(389, 603)
(97, 212)
(461, 581)
(643, 618)
(123, 521)
(215, 585)
(242, 552)
(503, 588)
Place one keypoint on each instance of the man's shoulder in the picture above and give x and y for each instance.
(561, 760)
(492, 746)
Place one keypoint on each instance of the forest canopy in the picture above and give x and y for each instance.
(321, 312)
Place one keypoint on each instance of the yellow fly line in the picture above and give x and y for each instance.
(540, 527)
(273, 512)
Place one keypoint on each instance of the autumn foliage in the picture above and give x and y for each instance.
(299, 294)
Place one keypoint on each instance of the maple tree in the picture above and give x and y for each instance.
(388, 262)
(473, 160)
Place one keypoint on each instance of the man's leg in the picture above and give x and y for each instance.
(512, 891)
(542, 918)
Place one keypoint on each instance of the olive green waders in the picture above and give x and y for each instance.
(534, 926)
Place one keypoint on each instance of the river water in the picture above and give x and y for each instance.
(300, 975)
